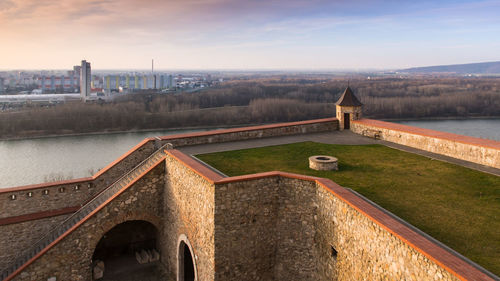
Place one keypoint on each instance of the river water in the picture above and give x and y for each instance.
(480, 128)
(31, 161)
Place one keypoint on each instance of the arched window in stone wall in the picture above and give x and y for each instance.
(186, 261)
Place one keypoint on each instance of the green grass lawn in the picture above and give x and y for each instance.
(458, 206)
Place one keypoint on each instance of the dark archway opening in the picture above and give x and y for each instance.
(127, 252)
(186, 264)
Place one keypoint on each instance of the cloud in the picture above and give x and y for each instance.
(115, 29)
(6, 5)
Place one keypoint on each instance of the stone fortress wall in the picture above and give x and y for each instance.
(58, 195)
(30, 210)
(262, 226)
(70, 257)
(285, 226)
(32, 199)
(480, 151)
(189, 211)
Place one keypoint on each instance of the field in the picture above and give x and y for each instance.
(458, 206)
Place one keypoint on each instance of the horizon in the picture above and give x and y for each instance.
(233, 35)
(299, 70)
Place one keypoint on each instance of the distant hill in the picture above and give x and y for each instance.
(469, 68)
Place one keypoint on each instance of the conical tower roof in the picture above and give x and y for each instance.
(348, 99)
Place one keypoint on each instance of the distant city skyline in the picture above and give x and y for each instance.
(239, 34)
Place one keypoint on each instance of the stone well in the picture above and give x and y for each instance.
(323, 163)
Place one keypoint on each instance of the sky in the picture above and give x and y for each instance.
(247, 34)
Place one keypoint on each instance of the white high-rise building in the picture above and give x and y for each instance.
(85, 79)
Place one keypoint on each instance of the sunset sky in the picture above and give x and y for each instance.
(251, 34)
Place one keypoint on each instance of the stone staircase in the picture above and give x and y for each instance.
(82, 213)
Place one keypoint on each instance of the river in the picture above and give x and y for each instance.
(31, 161)
(38, 160)
(480, 128)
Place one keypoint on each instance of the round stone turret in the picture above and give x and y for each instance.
(348, 108)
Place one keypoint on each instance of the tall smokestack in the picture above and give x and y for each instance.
(153, 76)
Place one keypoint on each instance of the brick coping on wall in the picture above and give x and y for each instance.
(444, 258)
(87, 217)
(79, 180)
(169, 137)
(430, 133)
(50, 213)
(44, 185)
(247, 129)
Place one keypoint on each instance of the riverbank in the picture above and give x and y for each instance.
(200, 128)
(74, 155)
(108, 132)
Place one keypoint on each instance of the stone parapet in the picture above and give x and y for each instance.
(23, 234)
(265, 226)
(189, 212)
(37, 198)
(254, 132)
(274, 224)
(56, 195)
(32, 199)
(480, 151)
(70, 256)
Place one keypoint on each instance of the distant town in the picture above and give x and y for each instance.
(80, 83)
(44, 87)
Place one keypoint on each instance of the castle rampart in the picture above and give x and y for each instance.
(480, 151)
(32, 199)
(287, 226)
(70, 256)
(17, 201)
(271, 225)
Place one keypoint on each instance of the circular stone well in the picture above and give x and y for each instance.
(323, 163)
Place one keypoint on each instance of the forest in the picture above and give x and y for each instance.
(261, 100)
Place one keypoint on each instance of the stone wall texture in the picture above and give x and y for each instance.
(269, 226)
(280, 228)
(189, 209)
(57, 195)
(264, 230)
(32, 200)
(70, 258)
(355, 113)
(365, 250)
(11, 244)
(481, 151)
(255, 132)
(44, 197)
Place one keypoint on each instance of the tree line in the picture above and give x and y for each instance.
(261, 100)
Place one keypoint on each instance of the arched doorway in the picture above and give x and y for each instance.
(186, 267)
(126, 252)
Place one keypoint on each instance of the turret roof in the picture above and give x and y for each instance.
(348, 99)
